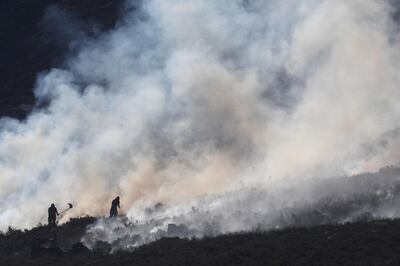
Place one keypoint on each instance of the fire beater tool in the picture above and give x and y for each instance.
(70, 206)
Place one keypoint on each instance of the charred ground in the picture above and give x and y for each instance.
(362, 243)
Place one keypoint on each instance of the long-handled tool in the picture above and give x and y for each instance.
(61, 214)
(70, 206)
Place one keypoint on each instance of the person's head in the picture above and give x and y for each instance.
(52, 205)
(117, 198)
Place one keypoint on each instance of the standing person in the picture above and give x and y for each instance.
(52, 215)
(114, 207)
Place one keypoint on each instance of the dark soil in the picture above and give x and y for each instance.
(364, 243)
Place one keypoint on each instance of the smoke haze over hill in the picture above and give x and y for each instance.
(215, 105)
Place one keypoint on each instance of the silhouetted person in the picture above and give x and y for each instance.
(53, 215)
(114, 207)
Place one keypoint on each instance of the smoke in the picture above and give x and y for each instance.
(220, 100)
(311, 202)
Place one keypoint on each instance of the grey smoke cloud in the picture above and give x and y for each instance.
(311, 202)
(188, 98)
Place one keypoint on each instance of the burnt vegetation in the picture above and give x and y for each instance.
(362, 243)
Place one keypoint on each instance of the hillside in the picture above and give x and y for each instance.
(373, 243)
(191, 100)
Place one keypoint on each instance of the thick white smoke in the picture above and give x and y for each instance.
(312, 202)
(188, 98)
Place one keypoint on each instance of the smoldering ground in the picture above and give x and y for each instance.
(337, 200)
(190, 98)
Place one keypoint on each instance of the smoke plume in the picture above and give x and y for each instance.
(214, 108)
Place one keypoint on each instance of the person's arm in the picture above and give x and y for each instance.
(57, 212)
(118, 205)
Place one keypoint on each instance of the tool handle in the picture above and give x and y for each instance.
(64, 211)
